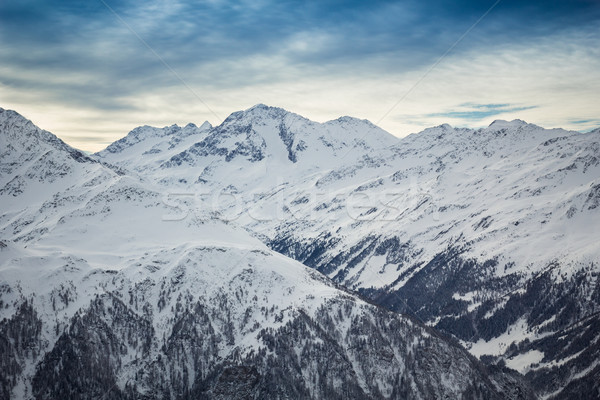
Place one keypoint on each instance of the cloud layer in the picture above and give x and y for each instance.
(85, 72)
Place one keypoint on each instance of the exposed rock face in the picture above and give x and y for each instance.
(194, 327)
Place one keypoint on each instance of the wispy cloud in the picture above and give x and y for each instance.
(477, 112)
(77, 61)
(588, 123)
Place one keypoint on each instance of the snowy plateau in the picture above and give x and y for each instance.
(275, 257)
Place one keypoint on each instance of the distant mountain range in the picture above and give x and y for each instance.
(169, 265)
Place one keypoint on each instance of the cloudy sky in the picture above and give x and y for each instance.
(90, 71)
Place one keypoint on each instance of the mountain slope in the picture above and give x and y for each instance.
(489, 235)
(105, 294)
(29, 153)
(196, 326)
(262, 145)
(143, 146)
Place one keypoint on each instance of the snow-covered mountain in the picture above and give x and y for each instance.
(103, 294)
(146, 147)
(256, 148)
(489, 235)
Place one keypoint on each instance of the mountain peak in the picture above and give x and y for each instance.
(18, 132)
(444, 126)
(145, 132)
(345, 120)
(500, 123)
(13, 117)
(265, 110)
(205, 125)
(261, 106)
(258, 113)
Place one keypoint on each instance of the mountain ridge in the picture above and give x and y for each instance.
(104, 292)
(459, 227)
(484, 234)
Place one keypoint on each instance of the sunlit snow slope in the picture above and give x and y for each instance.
(103, 294)
(490, 235)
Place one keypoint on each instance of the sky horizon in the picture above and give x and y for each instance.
(91, 72)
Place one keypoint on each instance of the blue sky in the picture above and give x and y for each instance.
(90, 74)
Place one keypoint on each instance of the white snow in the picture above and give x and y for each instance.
(514, 191)
(523, 362)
